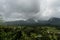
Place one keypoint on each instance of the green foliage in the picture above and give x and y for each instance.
(29, 33)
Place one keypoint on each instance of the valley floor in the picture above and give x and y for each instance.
(29, 33)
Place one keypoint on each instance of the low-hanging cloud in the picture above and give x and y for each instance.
(25, 9)
(49, 8)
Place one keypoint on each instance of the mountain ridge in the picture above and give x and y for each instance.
(51, 21)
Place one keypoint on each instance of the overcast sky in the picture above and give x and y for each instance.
(25, 9)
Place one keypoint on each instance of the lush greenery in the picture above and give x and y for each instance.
(29, 33)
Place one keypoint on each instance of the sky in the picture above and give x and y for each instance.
(11, 10)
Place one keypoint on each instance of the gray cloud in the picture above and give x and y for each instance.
(49, 8)
(25, 9)
(18, 9)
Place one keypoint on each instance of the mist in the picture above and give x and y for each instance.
(12, 10)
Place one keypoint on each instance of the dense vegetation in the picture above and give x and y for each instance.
(29, 33)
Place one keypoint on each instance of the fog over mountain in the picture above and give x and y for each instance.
(25, 9)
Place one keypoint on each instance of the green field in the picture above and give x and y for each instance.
(29, 33)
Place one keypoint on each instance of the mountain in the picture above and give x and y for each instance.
(54, 21)
(51, 21)
(21, 22)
